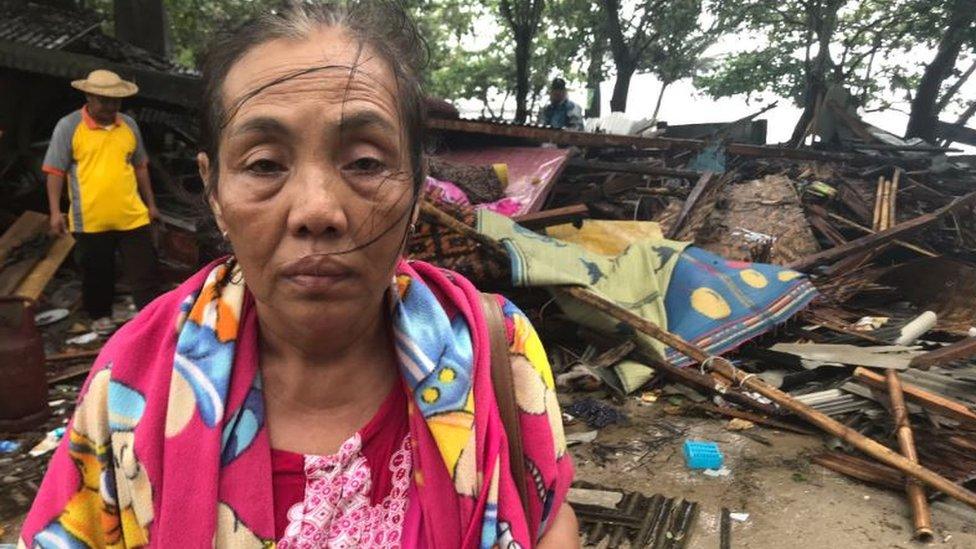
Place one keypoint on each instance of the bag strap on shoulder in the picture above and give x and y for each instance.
(504, 385)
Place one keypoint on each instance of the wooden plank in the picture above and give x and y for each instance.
(959, 350)
(696, 193)
(847, 222)
(632, 167)
(826, 229)
(860, 469)
(27, 226)
(11, 275)
(755, 418)
(882, 237)
(555, 216)
(585, 139)
(936, 404)
(32, 286)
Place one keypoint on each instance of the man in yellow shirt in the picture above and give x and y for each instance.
(99, 152)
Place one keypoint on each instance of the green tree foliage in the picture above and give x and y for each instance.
(798, 48)
(665, 37)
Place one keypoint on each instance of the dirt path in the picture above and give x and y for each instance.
(791, 503)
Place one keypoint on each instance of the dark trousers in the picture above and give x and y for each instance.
(97, 258)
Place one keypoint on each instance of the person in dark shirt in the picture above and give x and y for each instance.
(561, 112)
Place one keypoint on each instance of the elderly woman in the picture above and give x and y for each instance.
(313, 389)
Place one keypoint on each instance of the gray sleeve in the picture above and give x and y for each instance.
(59, 155)
(574, 118)
(139, 156)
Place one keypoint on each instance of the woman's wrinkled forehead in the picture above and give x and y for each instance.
(328, 67)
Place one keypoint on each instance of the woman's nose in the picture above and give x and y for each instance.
(317, 207)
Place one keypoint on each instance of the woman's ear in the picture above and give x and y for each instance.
(204, 167)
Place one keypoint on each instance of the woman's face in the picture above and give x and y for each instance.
(314, 188)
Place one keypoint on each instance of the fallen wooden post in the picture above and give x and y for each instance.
(704, 183)
(555, 216)
(921, 517)
(959, 350)
(749, 416)
(881, 237)
(632, 167)
(861, 469)
(932, 402)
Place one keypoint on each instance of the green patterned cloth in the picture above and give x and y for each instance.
(636, 280)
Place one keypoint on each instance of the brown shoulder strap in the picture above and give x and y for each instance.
(504, 386)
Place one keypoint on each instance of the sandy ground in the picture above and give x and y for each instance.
(791, 502)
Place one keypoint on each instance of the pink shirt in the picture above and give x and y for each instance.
(361, 496)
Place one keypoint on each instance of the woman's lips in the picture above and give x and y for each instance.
(316, 272)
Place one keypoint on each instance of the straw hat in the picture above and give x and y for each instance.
(105, 83)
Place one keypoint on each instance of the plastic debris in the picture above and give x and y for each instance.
(703, 454)
(83, 339)
(8, 446)
(49, 443)
(723, 472)
(581, 438)
(50, 316)
(595, 413)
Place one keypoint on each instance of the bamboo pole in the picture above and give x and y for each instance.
(937, 404)
(921, 517)
(879, 200)
(748, 381)
(893, 200)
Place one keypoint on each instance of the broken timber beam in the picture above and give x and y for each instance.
(861, 469)
(819, 210)
(585, 139)
(881, 237)
(632, 167)
(555, 216)
(704, 183)
(921, 516)
(932, 402)
(959, 350)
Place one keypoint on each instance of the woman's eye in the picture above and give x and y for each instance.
(264, 167)
(365, 165)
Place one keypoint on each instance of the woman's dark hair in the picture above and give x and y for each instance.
(382, 26)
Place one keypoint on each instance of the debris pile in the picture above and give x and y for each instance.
(885, 235)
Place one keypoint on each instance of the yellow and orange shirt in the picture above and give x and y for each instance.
(99, 164)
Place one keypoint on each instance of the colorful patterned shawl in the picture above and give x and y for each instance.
(169, 447)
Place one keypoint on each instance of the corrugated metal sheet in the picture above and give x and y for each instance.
(42, 26)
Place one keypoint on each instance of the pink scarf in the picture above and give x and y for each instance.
(169, 448)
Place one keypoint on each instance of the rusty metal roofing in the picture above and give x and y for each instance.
(43, 26)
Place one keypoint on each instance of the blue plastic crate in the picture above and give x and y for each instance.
(702, 454)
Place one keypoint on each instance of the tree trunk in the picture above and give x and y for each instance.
(522, 48)
(660, 96)
(621, 87)
(824, 26)
(921, 122)
(594, 74)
